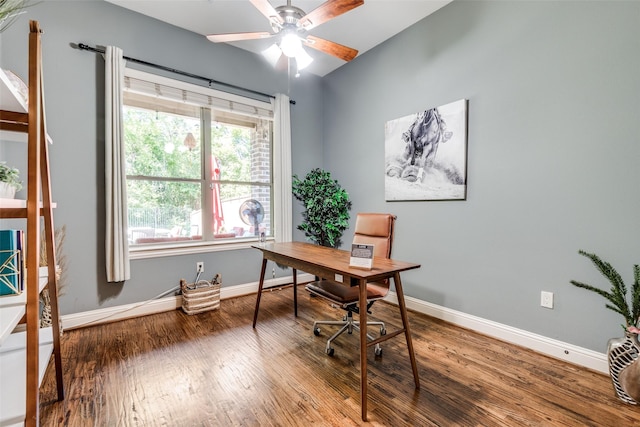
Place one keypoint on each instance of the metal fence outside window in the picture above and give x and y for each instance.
(166, 218)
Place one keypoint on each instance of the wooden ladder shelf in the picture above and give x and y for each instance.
(37, 209)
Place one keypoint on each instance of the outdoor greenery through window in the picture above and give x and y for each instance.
(198, 169)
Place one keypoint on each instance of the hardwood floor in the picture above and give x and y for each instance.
(214, 369)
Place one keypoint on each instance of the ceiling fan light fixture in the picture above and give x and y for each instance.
(272, 54)
(303, 59)
(291, 44)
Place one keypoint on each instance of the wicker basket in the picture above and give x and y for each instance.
(201, 296)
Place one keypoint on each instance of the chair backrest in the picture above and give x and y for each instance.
(375, 229)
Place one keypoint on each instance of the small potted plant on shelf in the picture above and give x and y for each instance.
(622, 353)
(9, 181)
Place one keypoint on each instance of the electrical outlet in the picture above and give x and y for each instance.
(546, 299)
(273, 273)
(338, 278)
(199, 267)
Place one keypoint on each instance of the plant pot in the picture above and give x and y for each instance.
(624, 367)
(7, 191)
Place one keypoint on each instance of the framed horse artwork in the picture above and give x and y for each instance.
(426, 154)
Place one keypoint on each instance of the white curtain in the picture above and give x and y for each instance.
(282, 167)
(116, 243)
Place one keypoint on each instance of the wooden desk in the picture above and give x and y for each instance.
(327, 262)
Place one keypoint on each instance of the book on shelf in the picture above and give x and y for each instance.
(11, 262)
(22, 258)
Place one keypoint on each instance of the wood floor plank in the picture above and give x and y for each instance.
(214, 369)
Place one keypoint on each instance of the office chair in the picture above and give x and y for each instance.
(371, 228)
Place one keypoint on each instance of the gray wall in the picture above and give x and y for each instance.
(552, 163)
(553, 149)
(75, 116)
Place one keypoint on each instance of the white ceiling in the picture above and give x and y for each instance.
(361, 28)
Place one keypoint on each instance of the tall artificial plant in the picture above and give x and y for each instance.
(617, 296)
(326, 204)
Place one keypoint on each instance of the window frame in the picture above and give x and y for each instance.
(281, 197)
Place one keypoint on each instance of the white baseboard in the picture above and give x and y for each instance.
(548, 346)
(144, 308)
(120, 312)
(554, 348)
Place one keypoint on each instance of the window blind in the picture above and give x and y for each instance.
(160, 87)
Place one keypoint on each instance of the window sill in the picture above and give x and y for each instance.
(173, 249)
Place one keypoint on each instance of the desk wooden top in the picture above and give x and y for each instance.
(316, 259)
(331, 263)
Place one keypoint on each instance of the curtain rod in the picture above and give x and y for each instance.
(83, 46)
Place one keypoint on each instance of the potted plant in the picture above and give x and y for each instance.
(622, 353)
(9, 11)
(9, 181)
(326, 204)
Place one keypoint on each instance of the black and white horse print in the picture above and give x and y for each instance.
(421, 145)
(426, 154)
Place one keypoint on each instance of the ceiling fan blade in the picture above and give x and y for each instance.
(326, 11)
(267, 10)
(343, 52)
(232, 37)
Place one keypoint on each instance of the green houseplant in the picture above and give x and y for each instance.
(326, 207)
(9, 180)
(9, 11)
(622, 353)
(617, 296)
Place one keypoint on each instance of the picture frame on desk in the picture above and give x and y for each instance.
(361, 256)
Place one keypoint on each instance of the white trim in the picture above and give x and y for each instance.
(120, 312)
(163, 250)
(548, 346)
(153, 306)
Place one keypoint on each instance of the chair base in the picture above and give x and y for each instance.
(348, 325)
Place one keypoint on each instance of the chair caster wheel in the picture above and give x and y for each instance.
(330, 351)
(383, 331)
(316, 332)
(378, 351)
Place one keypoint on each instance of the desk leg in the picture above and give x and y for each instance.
(363, 348)
(295, 292)
(255, 313)
(405, 324)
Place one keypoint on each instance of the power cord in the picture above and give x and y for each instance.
(176, 290)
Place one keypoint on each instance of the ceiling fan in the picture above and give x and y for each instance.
(291, 25)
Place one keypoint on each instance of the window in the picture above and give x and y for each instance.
(199, 167)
